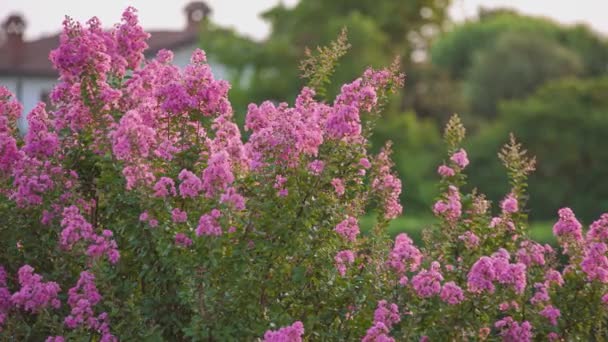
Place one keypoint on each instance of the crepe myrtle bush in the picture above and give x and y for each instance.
(133, 209)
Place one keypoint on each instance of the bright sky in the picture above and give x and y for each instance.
(45, 17)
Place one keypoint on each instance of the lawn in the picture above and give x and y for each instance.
(413, 226)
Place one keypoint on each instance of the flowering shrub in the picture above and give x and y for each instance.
(134, 209)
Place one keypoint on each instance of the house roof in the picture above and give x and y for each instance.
(32, 59)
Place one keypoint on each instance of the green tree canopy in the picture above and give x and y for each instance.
(515, 66)
(564, 124)
(378, 31)
(456, 50)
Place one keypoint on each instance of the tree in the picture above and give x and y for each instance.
(455, 51)
(564, 124)
(514, 67)
(378, 31)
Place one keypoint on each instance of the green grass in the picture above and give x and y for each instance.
(413, 226)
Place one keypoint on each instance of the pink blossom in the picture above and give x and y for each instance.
(133, 139)
(348, 229)
(386, 313)
(82, 298)
(364, 162)
(483, 333)
(595, 262)
(178, 215)
(553, 277)
(342, 259)
(385, 316)
(531, 253)
(598, 231)
(233, 198)
(39, 140)
(509, 204)
(509, 274)
(316, 167)
(338, 185)
(404, 256)
(511, 330)
(460, 158)
(427, 282)
(182, 240)
(190, 185)
(164, 187)
(378, 333)
(551, 313)
(450, 208)
(76, 229)
(208, 224)
(451, 293)
(470, 239)
(35, 295)
(541, 294)
(387, 184)
(445, 171)
(567, 227)
(292, 333)
(218, 174)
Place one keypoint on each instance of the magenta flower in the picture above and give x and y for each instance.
(348, 229)
(460, 158)
(338, 185)
(445, 171)
(292, 333)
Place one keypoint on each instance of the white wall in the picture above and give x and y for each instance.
(29, 91)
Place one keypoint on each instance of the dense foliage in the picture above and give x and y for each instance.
(135, 210)
(564, 124)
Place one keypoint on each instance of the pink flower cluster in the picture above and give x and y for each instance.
(82, 298)
(208, 224)
(551, 313)
(76, 229)
(509, 204)
(190, 185)
(405, 256)
(385, 316)
(450, 208)
(470, 239)
(511, 330)
(182, 240)
(532, 253)
(35, 295)
(342, 259)
(451, 293)
(348, 229)
(218, 175)
(460, 158)
(567, 227)
(488, 270)
(388, 185)
(338, 185)
(292, 333)
(445, 171)
(427, 283)
(5, 298)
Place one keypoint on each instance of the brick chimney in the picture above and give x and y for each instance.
(196, 13)
(14, 27)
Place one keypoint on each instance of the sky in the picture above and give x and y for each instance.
(44, 17)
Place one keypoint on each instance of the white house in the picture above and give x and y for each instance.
(27, 72)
